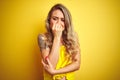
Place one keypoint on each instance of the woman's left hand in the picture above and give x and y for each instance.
(48, 67)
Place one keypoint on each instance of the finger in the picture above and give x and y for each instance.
(63, 28)
(56, 27)
(62, 25)
(43, 63)
(60, 28)
(49, 63)
(53, 27)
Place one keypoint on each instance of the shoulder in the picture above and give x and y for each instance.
(42, 41)
(42, 36)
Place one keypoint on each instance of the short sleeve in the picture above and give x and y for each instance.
(42, 41)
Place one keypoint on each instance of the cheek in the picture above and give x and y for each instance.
(63, 24)
(52, 22)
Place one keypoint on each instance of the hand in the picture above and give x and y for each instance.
(48, 67)
(57, 30)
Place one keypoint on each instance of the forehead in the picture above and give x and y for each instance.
(57, 13)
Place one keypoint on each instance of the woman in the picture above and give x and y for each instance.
(59, 45)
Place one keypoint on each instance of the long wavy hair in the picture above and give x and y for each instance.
(70, 38)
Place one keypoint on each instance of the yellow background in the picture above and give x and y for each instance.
(97, 23)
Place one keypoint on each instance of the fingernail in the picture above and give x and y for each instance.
(46, 57)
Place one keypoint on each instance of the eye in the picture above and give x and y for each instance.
(63, 20)
(54, 18)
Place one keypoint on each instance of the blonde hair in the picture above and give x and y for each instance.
(70, 38)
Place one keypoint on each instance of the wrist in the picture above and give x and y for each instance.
(54, 72)
(57, 38)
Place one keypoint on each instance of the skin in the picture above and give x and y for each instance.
(57, 25)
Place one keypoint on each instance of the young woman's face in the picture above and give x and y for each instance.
(57, 17)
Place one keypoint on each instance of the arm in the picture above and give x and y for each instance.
(75, 65)
(53, 54)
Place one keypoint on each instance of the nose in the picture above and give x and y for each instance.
(59, 21)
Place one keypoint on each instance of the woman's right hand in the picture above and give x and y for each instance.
(57, 30)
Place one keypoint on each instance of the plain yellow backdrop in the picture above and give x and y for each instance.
(97, 23)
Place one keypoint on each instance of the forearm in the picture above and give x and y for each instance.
(69, 68)
(54, 54)
(75, 65)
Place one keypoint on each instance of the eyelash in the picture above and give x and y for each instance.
(56, 19)
(62, 20)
